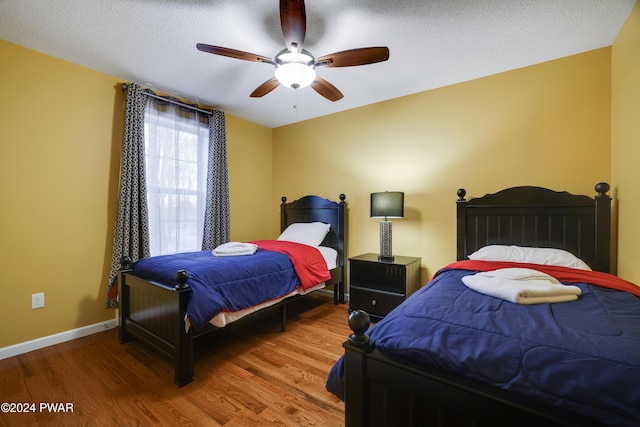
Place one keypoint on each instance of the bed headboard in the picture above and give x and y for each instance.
(535, 216)
(314, 208)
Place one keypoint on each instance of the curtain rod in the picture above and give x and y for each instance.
(171, 100)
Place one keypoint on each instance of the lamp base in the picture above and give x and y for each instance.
(386, 258)
(386, 254)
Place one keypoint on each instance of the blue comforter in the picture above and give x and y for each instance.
(223, 283)
(582, 355)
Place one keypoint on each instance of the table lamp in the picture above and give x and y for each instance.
(387, 204)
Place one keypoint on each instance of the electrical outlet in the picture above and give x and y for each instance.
(37, 300)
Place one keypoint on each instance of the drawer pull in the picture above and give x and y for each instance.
(374, 302)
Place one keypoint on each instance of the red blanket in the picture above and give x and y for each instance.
(308, 262)
(563, 274)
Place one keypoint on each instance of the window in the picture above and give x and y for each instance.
(176, 145)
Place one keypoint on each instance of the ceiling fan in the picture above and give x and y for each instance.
(295, 66)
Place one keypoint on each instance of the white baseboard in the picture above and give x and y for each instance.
(27, 346)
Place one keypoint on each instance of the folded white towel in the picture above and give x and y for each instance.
(521, 286)
(235, 249)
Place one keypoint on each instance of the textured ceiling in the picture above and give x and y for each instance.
(432, 44)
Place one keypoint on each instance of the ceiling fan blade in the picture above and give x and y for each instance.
(294, 22)
(326, 89)
(232, 53)
(265, 88)
(352, 57)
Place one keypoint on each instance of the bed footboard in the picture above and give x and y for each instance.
(380, 391)
(155, 314)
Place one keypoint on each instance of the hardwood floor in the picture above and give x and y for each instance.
(250, 374)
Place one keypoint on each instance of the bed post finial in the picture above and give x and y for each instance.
(601, 189)
(125, 261)
(181, 278)
(359, 322)
(461, 193)
(342, 197)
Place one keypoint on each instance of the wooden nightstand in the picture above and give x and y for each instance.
(378, 287)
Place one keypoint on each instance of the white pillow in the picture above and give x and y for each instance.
(545, 256)
(308, 233)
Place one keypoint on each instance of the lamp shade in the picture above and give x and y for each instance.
(387, 204)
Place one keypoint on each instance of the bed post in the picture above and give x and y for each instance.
(338, 294)
(183, 357)
(603, 228)
(355, 370)
(283, 214)
(123, 336)
(461, 226)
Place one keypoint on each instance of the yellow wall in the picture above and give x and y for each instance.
(545, 125)
(61, 137)
(625, 142)
(58, 154)
(249, 152)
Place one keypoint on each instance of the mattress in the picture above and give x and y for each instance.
(582, 355)
(224, 318)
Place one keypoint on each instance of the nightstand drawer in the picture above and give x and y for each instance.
(380, 276)
(377, 303)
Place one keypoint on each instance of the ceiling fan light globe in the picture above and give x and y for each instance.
(295, 75)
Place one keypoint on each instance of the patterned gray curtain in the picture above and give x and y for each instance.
(217, 216)
(131, 235)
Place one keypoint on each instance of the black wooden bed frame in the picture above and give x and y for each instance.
(380, 391)
(155, 313)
